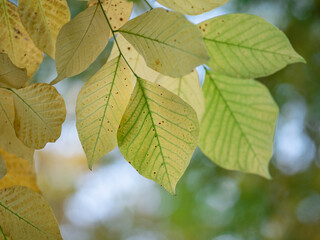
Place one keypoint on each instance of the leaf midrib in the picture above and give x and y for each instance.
(249, 48)
(23, 219)
(35, 112)
(160, 42)
(105, 110)
(155, 131)
(233, 116)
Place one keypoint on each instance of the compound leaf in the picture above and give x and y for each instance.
(8, 138)
(25, 214)
(19, 172)
(40, 111)
(80, 42)
(43, 20)
(192, 7)
(15, 40)
(100, 106)
(158, 134)
(238, 126)
(169, 43)
(246, 46)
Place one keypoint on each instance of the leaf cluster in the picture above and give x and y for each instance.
(146, 99)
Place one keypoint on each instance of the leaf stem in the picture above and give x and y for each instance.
(148, 4)
(115, 39)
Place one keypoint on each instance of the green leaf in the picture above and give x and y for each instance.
(8, 138)
(100, 106)
(39, 113)
(187, 88)
(10, 75)
(169, 43)
(80, 42)
(192, 7)
(158, 134)
(3, 168)
(246, 46)
(43, 20)
(25, 214)
(238, 126)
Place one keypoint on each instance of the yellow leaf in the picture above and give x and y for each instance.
(15, 40)
(100, 106)
(8, 138)
(40, 111)
(192, 7)
(187, 88)
(118, 11)
(19, 172)
(158, 134)
(3, 168)
(169, 43)
(10, 75)
(80, 42)
(43, 20)
(135, 60)
(25, 215)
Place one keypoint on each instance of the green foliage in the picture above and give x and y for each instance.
(146, 99)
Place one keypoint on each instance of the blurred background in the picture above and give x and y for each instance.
(115, 202)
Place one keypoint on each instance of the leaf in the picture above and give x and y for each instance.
(15, 40)
(25, 214)
(238, 126)
(192, 7)
(40, 111)
(8, 138)
(20, 172)
(187, 88)
(3, 168)
(158, 134)
(80, 42)
(100, 106)
(43, 20)
(10, 75)
(118, 11)
(254, 48)
(135, 60)
(169, 43)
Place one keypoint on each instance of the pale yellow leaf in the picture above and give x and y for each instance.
(19, 172)
(15, 41)
(80, 42)
(43, 20)
(40, 111)
(25, 215)
(169, 43)
(8, 138)
(135, 60)
(10, 75)
(118, 11)
(158, 134)
(192, 7)
(187, 88)
(100, 106)
(3, 168)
